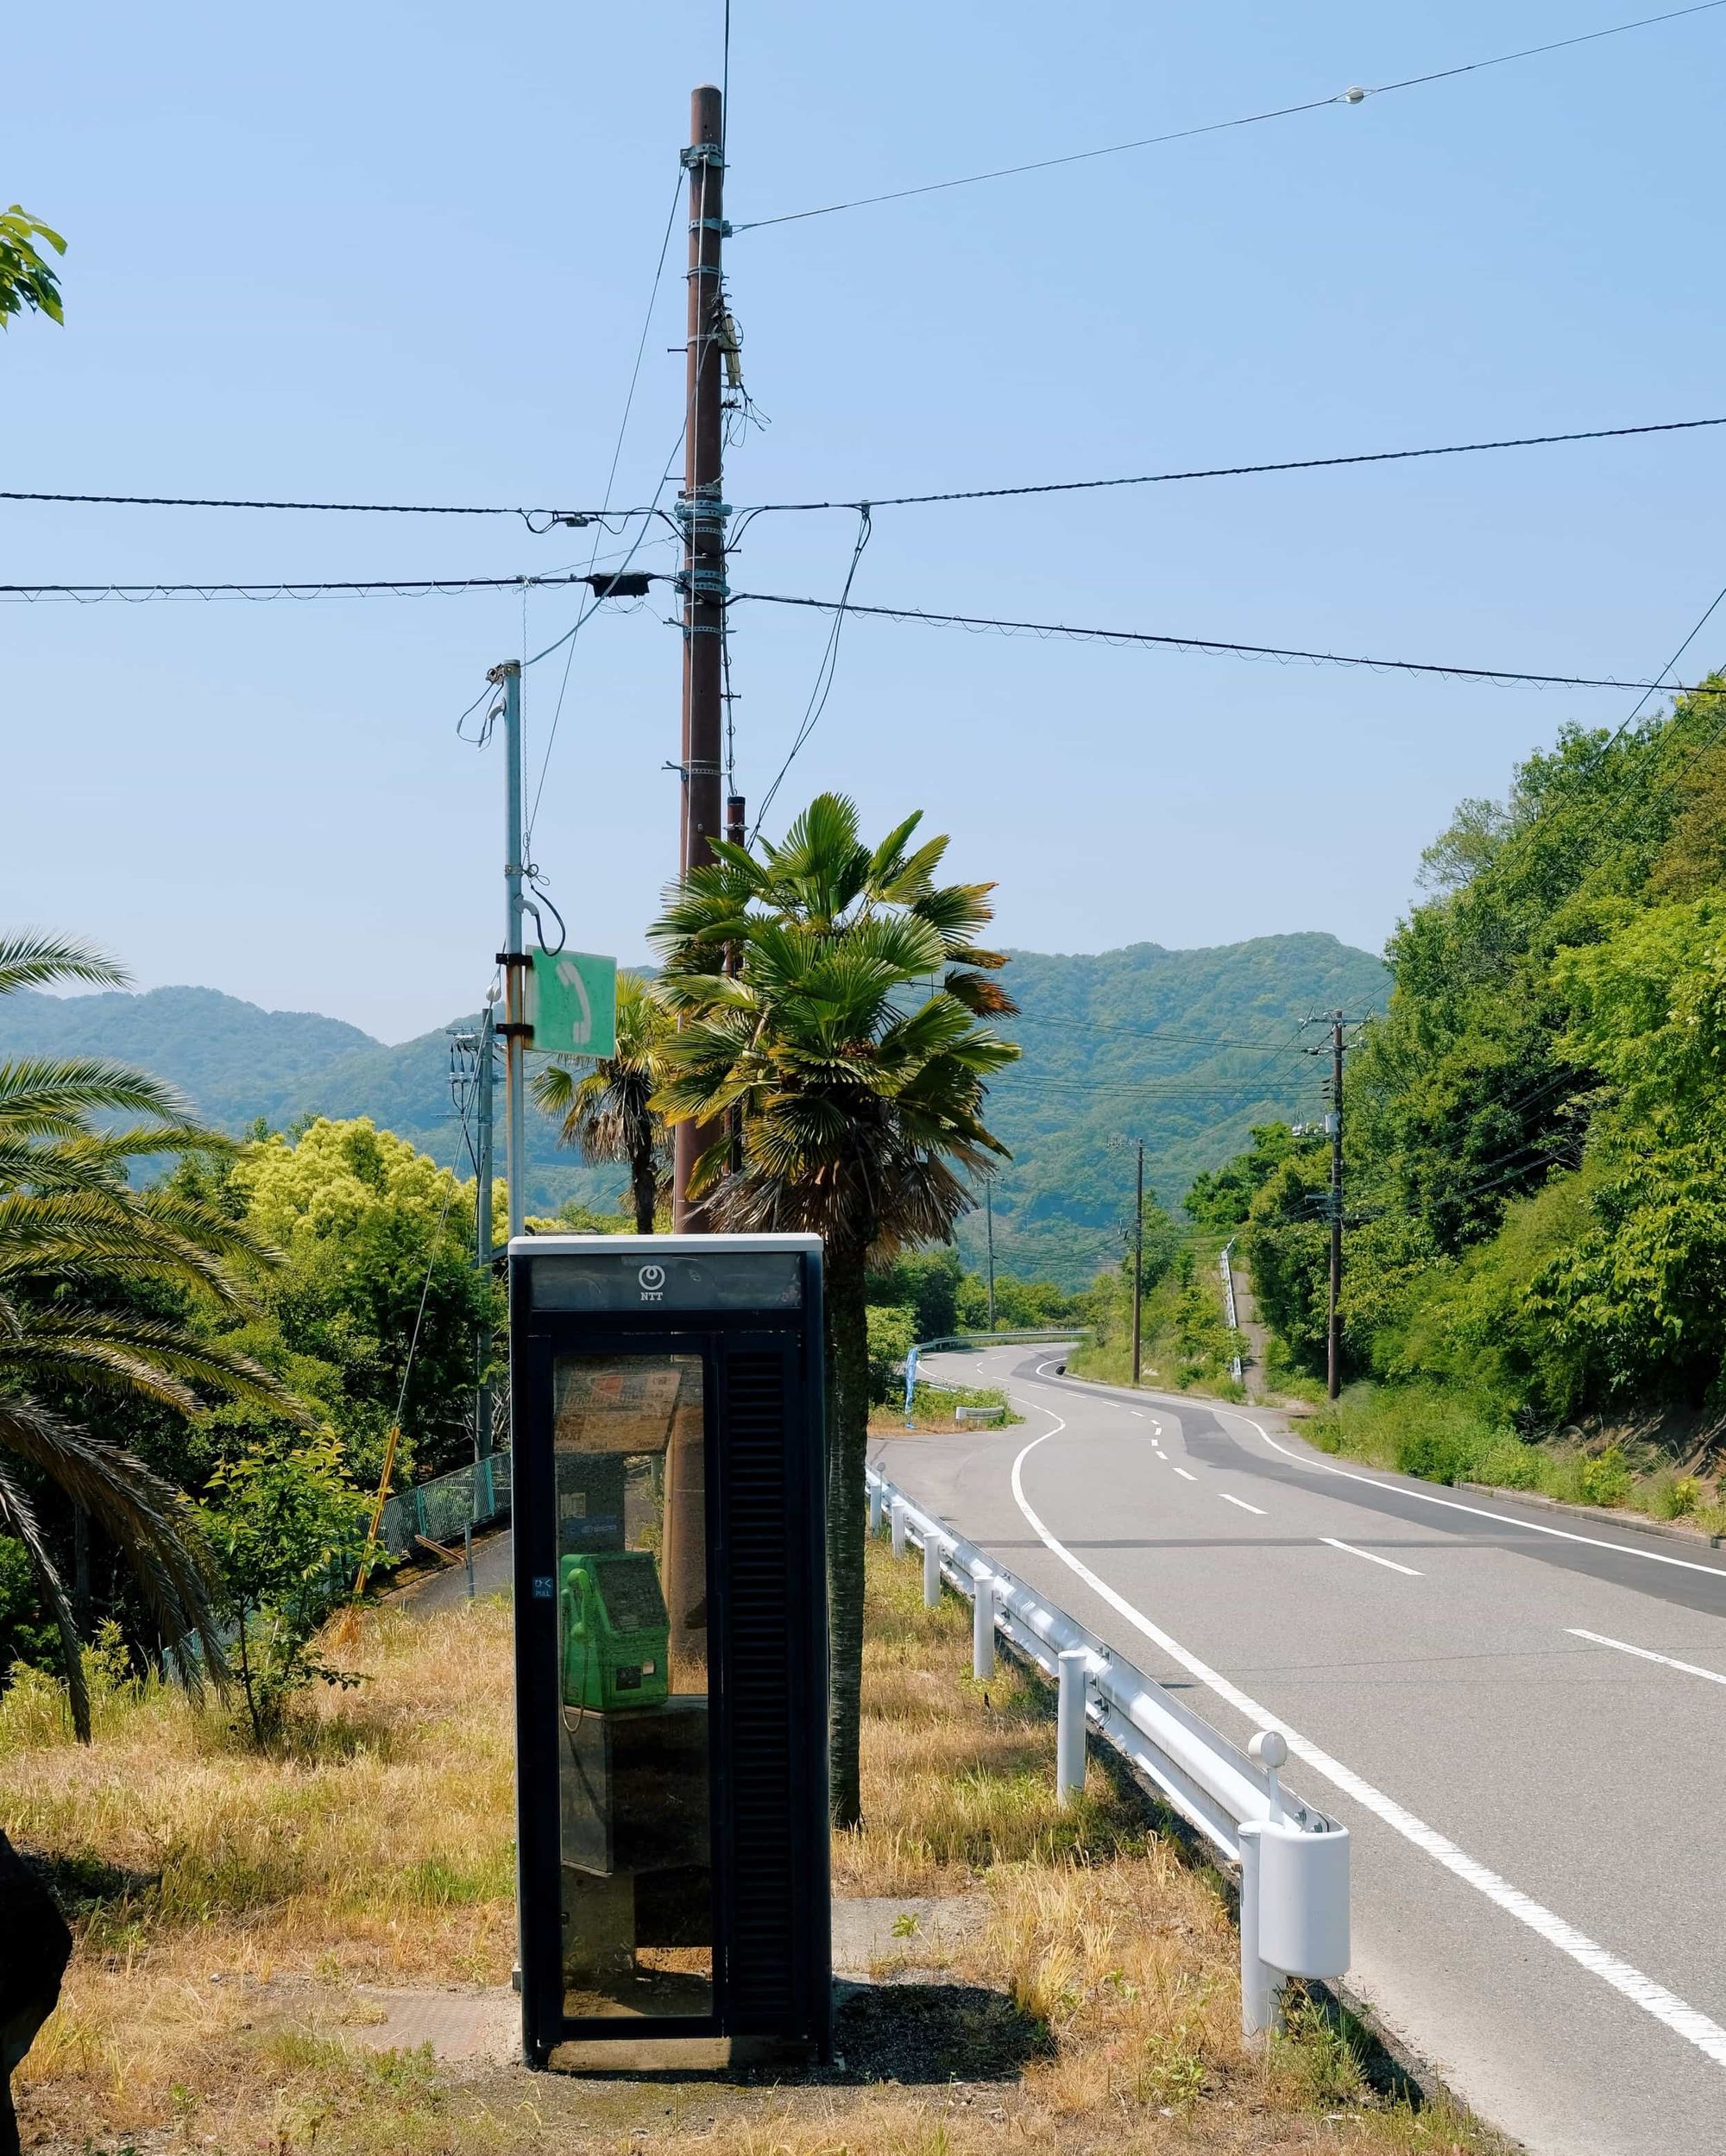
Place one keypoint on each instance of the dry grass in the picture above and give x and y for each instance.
(379, 1847)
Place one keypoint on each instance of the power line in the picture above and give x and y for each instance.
(610, 482)
(1351, 96)
(824, 672)
(396, 587)
(537, 521)
(1246, 471)
(615, 519)
(1507, 676)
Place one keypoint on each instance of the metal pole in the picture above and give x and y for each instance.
(513, 957)
(1069, 1724)
(982, 1623)
(895, 1513)
(483, 1223)
(1334, 1332)
(931, 1571)
(702, 508)
(989, 1216)
(1138, 1260)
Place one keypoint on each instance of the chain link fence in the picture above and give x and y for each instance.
(441, 1510)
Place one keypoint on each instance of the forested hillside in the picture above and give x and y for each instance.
(1187, 1049)
(1535, 1131)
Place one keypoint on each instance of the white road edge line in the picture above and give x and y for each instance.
(1241, 1502)
(1647, 1654)
(1654, 1999)
(1184, 1476)
(1389, 1563)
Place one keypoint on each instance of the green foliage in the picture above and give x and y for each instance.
(28, 280)
(1535, 1131)
(1093, 1025)
(286, 1524)
(893, 1330)
(928, 1282)
(377, 1242)
(80, 1252)
(1021, 1306)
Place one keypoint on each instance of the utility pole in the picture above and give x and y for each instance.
(512, 958)
(989, 1217)
(1334, 1337)
(736, 832)
(1138, 1258)
(482, 1152)
(703, 510)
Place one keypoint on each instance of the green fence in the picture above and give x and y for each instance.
(476, 1495)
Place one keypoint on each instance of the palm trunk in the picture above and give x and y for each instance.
(644, 1185)
(847, 1445)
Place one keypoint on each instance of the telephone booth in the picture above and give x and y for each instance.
(671, 1620)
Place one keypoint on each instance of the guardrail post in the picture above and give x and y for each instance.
(1070, 1724)
(899, 1514)
(982, 1623)
(1261, 1986)
(877, 1505)
(931, 1570)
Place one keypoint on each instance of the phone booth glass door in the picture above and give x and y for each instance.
(635, 1773)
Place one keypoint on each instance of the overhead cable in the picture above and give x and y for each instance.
(611, 518)
(1507, 676)
(1247, 472)
(535, 520)
(395, 586)
(1354, 95)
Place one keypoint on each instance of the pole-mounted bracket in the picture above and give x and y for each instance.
(513, 958)
(722, 225)
(701, 154)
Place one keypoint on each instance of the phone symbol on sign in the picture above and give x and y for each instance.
(570, 975)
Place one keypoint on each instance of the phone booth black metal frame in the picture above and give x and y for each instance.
(764, 1445)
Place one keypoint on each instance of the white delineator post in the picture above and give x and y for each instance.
(1070, 1724)
(899, 1519)
(932, 1569)
(877, 1505)
(982, 1623)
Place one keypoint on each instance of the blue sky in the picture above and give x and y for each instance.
(392, 253)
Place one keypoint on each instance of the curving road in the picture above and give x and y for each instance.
(1521, 1717)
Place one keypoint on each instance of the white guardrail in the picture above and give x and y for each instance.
(1294, 1860)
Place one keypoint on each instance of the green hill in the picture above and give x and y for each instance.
(1187, 1049)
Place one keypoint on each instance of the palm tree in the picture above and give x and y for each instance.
(847, 1040)
(605, 1110)
(72, 1230)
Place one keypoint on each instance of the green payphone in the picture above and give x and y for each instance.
(616, 1630)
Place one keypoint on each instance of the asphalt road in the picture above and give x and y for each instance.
(1520, 1716)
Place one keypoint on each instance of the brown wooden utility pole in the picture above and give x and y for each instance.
(1138, 1259)
(1334, 1341)
(701, 508)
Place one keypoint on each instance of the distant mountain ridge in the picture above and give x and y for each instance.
(1187, 1049)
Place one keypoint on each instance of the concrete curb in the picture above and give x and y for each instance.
(1608, 1515)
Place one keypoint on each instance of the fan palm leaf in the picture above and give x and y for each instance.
(604, 1104)
(847, 1045)
(72, 1231)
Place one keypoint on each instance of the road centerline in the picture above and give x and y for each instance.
(1241, 1502)
(1389, 1563)
(1647, 1654)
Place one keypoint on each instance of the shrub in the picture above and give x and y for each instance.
(1676, 1497)
(1509, 1465)
(1605, 1479)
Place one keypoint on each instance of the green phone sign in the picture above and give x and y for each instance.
(572, 1003)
